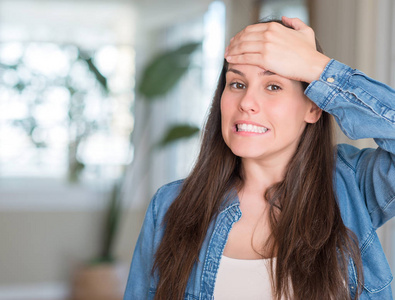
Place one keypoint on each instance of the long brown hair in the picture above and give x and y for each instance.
(308, 237)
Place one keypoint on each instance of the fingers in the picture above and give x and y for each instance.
(254, 37)
(289, 52)
(246, 59)
(247, 34)
(252, 32)
(244, 47)
(295, 23)
(286, 21)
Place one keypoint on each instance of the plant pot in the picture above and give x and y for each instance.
(104, 281)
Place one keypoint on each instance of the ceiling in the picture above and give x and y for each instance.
(67, 15)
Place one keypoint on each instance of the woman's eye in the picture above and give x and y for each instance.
(273, 87)
(237, 85)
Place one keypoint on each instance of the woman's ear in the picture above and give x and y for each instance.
(313, 114)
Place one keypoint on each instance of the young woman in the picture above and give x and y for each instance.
(271, 209)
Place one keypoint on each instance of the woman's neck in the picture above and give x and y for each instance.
(259, 176)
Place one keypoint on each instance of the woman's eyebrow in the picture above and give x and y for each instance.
(236, 72)
(266, 72)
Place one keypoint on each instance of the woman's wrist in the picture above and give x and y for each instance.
(317, 67)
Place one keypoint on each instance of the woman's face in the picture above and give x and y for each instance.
(263, 114)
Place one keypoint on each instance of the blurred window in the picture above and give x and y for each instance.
(189, 102)
(66, 89)
(274, 9)
(197, 90)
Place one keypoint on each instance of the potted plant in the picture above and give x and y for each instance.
(102, 278)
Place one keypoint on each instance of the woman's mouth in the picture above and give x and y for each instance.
(250, 128)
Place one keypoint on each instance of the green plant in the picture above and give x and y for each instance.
(159, 77)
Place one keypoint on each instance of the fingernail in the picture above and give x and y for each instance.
(228, 58)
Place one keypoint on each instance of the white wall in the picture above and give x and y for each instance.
(361, 33)
(48, 228)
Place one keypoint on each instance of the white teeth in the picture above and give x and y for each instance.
(251, 128)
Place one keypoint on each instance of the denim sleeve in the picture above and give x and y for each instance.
(140, 270)
(363, 108)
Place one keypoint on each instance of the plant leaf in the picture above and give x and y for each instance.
(92, 67)
(177, 132)
(164, 71)
(113, 211)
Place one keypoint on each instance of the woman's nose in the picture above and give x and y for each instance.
(248, 103)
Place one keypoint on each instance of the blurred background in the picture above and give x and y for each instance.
(101, 103)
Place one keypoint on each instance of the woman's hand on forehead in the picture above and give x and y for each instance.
(285, 51)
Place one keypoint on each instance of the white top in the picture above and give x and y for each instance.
(243, 279)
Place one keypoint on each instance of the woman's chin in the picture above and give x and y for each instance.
(248, 153)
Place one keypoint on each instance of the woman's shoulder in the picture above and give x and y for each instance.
(170, 189)
(165, 196)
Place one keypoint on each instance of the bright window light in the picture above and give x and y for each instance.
(65, 99)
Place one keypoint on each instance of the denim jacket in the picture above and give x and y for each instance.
(364, 182)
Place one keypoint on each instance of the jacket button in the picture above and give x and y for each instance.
(330, 79)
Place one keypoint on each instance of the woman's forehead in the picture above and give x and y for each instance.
(253, 70)
(245, 68)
